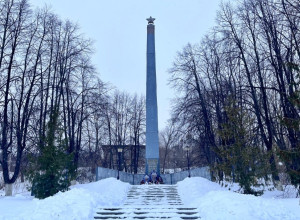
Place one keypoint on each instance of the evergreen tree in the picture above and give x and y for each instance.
(291, 155)
(52, 171)
(240, 160)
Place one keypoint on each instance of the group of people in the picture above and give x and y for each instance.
(152, 179)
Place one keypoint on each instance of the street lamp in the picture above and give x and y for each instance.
(186, 147)
(120, 149)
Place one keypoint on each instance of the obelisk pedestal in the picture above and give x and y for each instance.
(152, 144)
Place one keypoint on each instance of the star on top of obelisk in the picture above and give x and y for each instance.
(150, 20)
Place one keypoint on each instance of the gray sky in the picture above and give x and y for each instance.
(118, 28)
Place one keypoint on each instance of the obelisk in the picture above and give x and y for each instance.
(152, 147)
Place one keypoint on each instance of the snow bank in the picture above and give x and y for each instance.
(78, 203)
(215, 202)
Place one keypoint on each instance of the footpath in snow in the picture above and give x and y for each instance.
(211, 200)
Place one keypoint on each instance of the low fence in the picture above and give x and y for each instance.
(135, 179)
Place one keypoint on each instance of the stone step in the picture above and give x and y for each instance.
(144, 217)
(154, 212)
(110, 213)
(147, 217)
(148, 209)
(153, 195)
(150, 202)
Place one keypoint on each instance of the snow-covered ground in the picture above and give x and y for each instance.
(212, 200)
(216, 202)
(77, 204)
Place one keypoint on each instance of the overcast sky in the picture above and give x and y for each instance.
(118, 28)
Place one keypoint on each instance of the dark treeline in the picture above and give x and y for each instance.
(51, 97)
(239, 92)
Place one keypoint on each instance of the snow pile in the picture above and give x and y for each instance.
(215, 202)
(78, 203)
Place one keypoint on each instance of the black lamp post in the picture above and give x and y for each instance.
(188, 159)
(120, 149)
(186, 147)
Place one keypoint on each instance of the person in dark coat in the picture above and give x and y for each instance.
(160, 180)
(145, 179)
(153, 176)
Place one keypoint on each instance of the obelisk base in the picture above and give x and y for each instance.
(152, 164)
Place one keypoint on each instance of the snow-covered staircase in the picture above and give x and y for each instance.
(150, 202)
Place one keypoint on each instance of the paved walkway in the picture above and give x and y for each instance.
(150, 202)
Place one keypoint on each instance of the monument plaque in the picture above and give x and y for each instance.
(152, 165)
